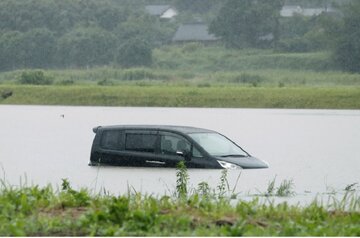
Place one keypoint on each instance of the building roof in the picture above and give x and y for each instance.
(291, 10)
(157, 10)
(315, 11)
(194, 32)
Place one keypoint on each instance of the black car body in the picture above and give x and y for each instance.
(165, 146)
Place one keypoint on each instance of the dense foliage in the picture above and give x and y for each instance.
(83, 34)
(307, 34)
(48, 33)
(347, 48)
(134, 52)
(246, 23)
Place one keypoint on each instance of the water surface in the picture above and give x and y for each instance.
(318, 149)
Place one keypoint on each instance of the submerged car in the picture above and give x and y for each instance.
(166, 146)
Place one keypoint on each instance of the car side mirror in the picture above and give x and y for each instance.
(186, 154)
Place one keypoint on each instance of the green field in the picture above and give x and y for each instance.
(196, 76)
(186, 96)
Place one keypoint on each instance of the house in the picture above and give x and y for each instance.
(289, 10)
(292, 10)
(316, 11)
(194, 32)
(161, 11)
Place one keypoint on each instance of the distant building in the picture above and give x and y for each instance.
(161, 11)
(289, 11)
(316, 11)
(194, 32)
(292, 10)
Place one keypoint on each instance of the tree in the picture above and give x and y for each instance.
(34, 48)
(248, 23)
(146, 28)
(74, 33)
(38, 47)
(347, 45)
(307, 33)
(11, 54)
(109, 17)
(134, 52)
(86, 47)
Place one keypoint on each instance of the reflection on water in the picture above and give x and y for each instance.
(317, 149)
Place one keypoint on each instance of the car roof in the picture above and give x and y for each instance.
(181, 129)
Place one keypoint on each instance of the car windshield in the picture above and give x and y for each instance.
(217, 145)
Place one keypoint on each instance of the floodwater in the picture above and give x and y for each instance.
(319, 150)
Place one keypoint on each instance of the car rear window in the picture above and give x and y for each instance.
(111, 140)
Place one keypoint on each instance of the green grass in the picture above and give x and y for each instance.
(44, 211)
(196, 76)
(195, 64)
(150, 76)
(186, 96)
(213, 59)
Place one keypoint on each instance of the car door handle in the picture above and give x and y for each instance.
(155, 162)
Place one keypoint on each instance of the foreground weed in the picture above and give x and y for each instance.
(72, 198)
(233, 195)
(223, 187)
(182, 178)
(30, 211)
(350, 187)
(271, 187)
(204, 189)
(285, 189)
(65, 185)
(349, 202)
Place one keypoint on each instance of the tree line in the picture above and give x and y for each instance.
(75, 33)
(86, 33)
(258, 24)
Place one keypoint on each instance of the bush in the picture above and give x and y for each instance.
(296, 44)
(6, 93)
(133, 53)
(66, 82)
(191, 47)
(105, 82)
(248, 78)
(35, 78)
(137, 74)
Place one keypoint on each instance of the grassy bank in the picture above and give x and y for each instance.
(195, 64)
(185, 96)
(198, 58)
(193, 75)
(44, 211)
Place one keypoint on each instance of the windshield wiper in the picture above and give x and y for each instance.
(233, 155)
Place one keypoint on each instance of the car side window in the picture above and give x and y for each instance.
(111, 140)
(141, 142)
(196, 153)
(171, 143)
